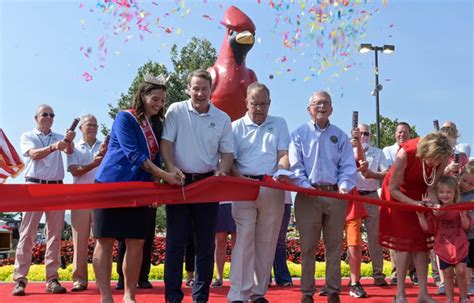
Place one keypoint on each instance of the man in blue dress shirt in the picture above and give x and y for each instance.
(321, 157)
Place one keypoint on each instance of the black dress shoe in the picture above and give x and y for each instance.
(323, 291)
(144, 284)
(119, 285)
(261, 300)
(236, 301)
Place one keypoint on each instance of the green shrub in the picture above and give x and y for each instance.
(37, 272)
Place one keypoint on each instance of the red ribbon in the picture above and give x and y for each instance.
(34, 197)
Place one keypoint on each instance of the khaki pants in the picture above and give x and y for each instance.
(81, 229)
(28, 232)
(258, 225)
(313, 215)
(371, 223)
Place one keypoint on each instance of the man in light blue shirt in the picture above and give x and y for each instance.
(260, 148)
(321, 157)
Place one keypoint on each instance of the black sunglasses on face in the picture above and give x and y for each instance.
(43, 114)
(364, 133)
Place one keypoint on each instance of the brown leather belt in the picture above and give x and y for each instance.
(327, 187)
(39, 181)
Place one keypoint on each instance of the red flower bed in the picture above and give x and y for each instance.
(292, 249)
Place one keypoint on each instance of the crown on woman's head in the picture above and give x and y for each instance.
(158, 80)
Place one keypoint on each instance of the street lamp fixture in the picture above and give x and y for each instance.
(365, 48)
(387, 49)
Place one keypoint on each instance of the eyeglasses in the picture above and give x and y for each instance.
(91, 125)
(44, 114)
(321, 103)
(266, 104)
(365, 134)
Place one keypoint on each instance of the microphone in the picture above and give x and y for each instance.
(73, 126)
(436, 125)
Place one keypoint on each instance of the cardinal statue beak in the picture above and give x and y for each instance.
(244, 37)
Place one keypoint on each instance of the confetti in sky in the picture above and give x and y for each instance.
(328, 31)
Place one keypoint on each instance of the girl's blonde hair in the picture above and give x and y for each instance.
(451, 182)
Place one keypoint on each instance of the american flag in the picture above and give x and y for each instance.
(10, 163)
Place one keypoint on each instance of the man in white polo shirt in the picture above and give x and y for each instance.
(261, 148)
(42, 149)
(402, 134)
(196, 143)
(82, 164)
(367, 184)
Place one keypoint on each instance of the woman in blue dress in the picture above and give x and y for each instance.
(132, 155)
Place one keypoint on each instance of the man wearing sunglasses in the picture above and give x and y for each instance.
(41, 149)
(367, 183)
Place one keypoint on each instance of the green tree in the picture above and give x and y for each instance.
(387, 131)
(198, 53)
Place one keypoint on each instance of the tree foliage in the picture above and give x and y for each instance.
(197, 53)
(387, 131)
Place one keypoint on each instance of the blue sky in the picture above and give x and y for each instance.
(429, 76)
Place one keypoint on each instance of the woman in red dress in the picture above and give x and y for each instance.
(419, 163)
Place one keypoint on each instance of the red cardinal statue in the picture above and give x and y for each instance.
(230, 76)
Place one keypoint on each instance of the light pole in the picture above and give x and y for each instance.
(387, 49)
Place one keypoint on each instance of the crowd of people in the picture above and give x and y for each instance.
(194, 140)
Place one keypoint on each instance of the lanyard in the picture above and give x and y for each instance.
(49, 141)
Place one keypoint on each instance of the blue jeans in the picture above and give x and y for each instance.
(280, 268)
(203, 217)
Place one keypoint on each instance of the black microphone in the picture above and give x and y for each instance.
(436, 125)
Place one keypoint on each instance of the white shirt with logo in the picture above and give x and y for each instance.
(256, 146)
(83, 155)
(198, 139)
(48, 168)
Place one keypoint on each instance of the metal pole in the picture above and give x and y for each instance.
(377, 107)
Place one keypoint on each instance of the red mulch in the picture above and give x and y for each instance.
(36, 294)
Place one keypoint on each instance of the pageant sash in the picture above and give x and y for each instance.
(152, 142)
